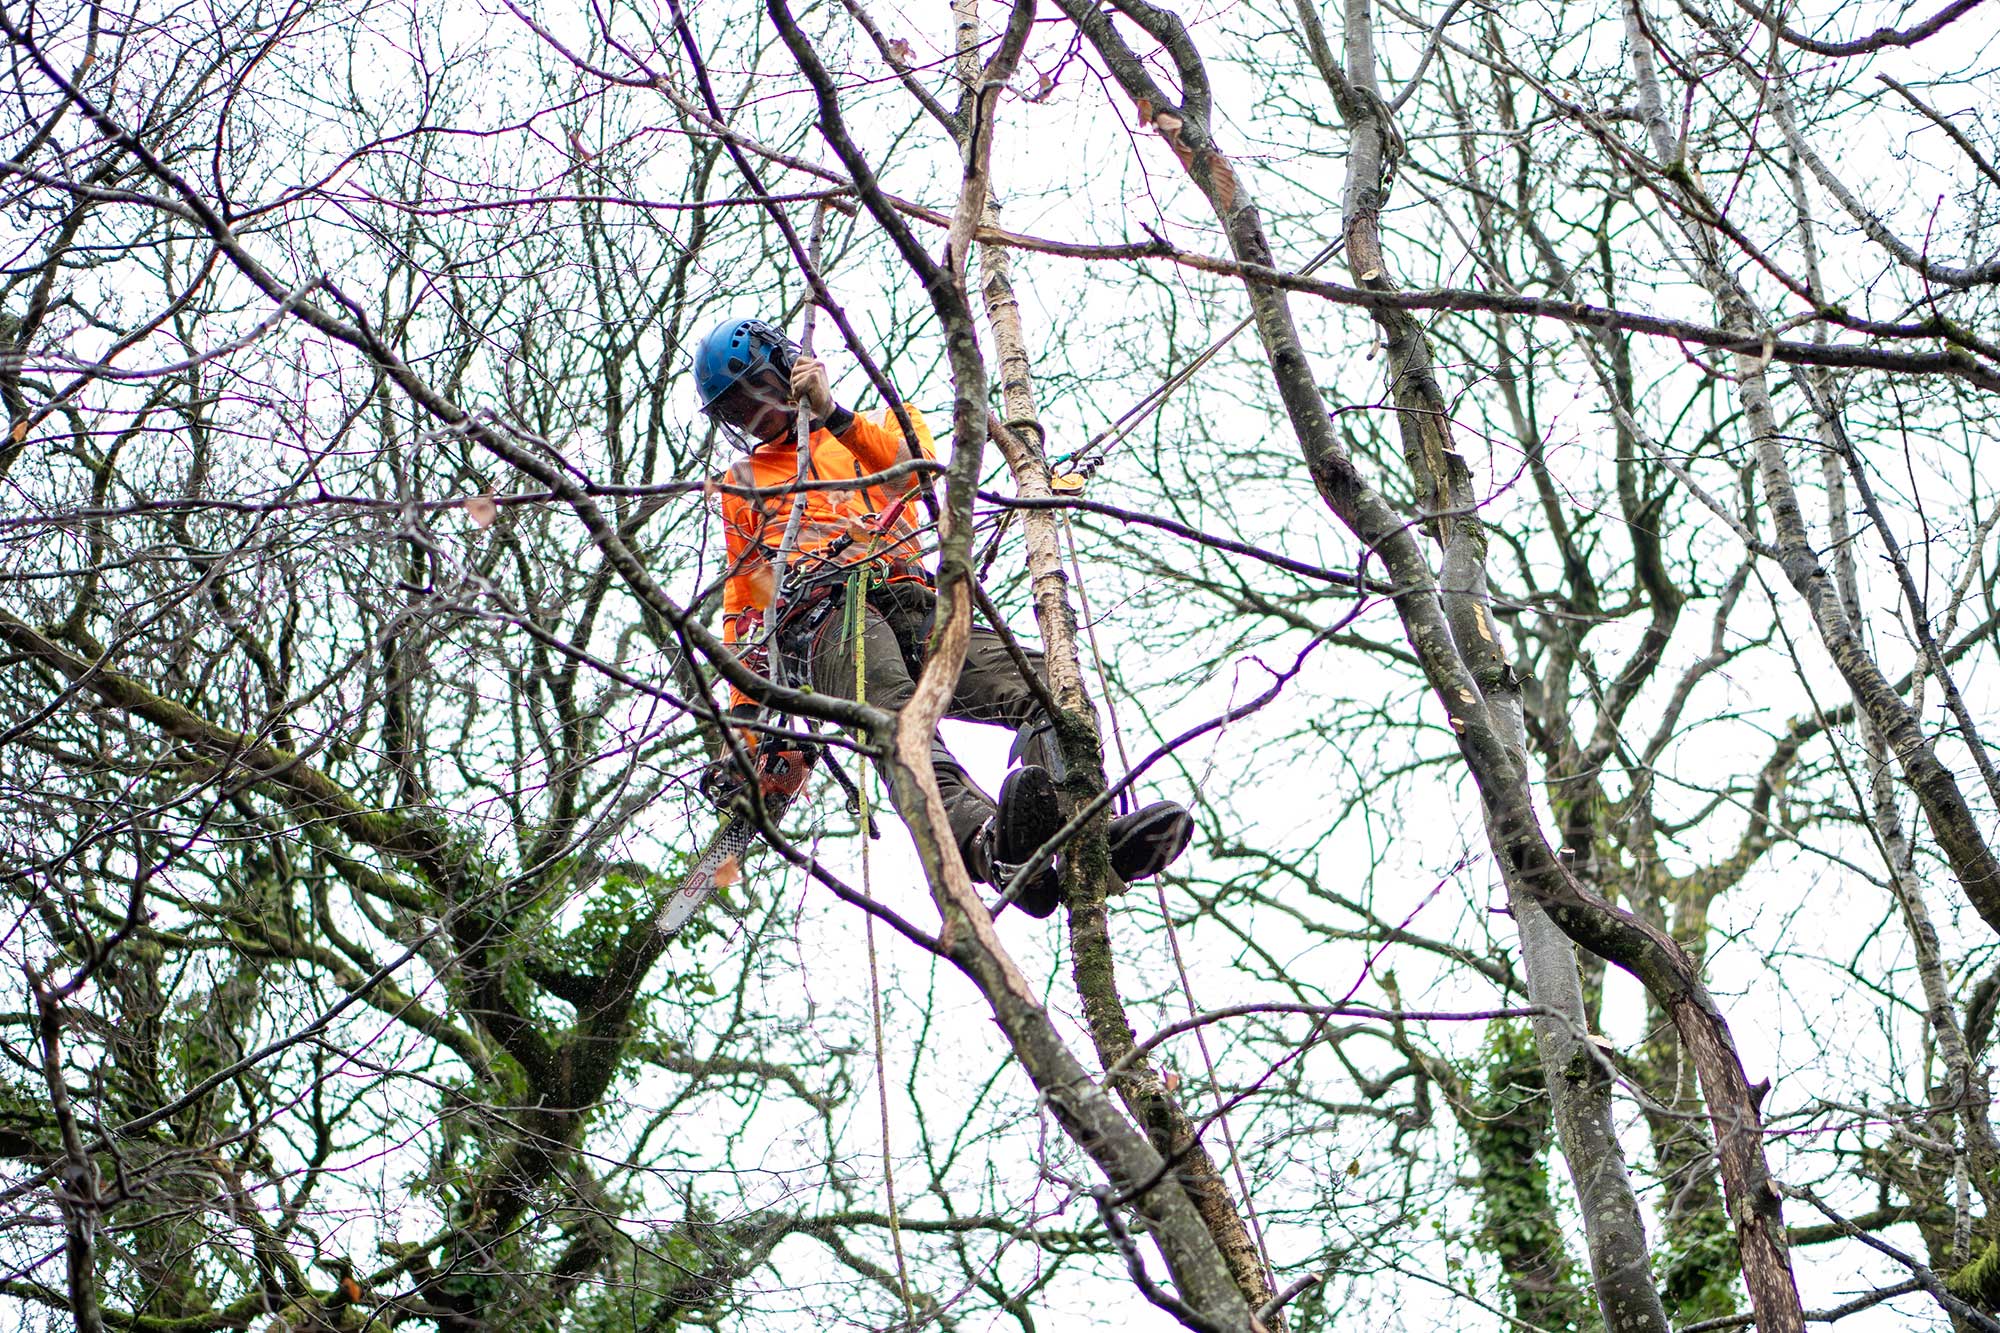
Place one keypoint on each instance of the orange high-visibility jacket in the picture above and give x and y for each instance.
(753, 528)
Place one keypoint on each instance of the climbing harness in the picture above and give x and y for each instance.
(802, 605)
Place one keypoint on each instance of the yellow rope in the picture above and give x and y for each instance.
(857, 628)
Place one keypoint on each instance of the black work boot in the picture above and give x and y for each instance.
(1029, 815)
(1149, 840)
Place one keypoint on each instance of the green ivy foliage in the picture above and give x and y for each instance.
(1508, 1127)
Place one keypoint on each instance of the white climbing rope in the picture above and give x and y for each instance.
(1166, 918)
(857, 622)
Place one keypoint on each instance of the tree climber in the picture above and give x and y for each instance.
(753, 381)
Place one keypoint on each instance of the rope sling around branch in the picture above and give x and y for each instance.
(1091, 455)
(1083, 462)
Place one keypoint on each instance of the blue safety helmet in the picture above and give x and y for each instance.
(735, 349)
(743, 374)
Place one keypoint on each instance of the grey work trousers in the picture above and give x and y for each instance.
(990, 689)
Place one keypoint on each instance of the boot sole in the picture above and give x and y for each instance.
(1154, 841)
(1029, 794)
